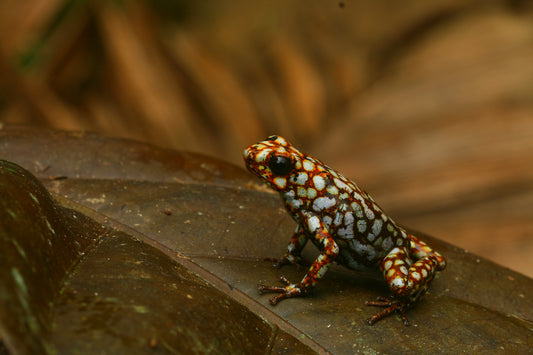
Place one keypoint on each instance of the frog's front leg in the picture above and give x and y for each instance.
(407, 282)
(294, 250)
(329, 251)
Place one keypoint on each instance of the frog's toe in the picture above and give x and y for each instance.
(390, 305)
(269, 289)
(381, 302)
(291, 290)
(264, 288)
(274, 300)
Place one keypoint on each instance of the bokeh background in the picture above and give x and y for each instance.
(426, 104)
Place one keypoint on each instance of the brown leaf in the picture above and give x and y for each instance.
(187, 279)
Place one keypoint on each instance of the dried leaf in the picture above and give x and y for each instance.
(168, 259)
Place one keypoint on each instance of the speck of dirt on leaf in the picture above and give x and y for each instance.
(12, 214)
(34, 198)
(19, 280)
(140, 309)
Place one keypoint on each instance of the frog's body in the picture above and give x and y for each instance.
(345, 224)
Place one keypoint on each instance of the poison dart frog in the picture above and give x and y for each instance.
(345, 224)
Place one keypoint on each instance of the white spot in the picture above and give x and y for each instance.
(343, 196)
(370, 237)
(323, 203)
(311, 193)
(395, 251)
(398, 282)
(369, 214)
(399, 242)
(363, 249)
(424, 273)
(281, 140)
(313, 224)
(297, 152)
(403, 269)
(327, 221)
(338, 219)
(390, 227)
(376, 227)
(348, 219)
(295, 203)
(301, 179)
(302, 192)
(289, 194)
(361, 225)
(340, 184)
(259, 158)
(280, 182)
(416, 275)
(319, 182)
(387, 243)
(387, 265)
(330, 170)
(357, 208)
(332, 190)
(322, 271)
(309, 166)
(345, 232)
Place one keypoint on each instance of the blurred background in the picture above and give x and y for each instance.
(428, 106)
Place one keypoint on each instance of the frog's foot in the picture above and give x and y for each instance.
(291, 290)
(391, 305)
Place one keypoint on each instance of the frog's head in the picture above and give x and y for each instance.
(279, 164)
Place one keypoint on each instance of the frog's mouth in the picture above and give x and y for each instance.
(254, 160)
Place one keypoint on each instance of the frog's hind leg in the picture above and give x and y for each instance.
(407, 282)
(395, 267)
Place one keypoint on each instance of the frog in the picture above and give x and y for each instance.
(345, 224)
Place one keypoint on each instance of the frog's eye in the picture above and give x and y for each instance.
(280, 165)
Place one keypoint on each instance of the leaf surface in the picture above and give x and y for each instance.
(163, 250)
